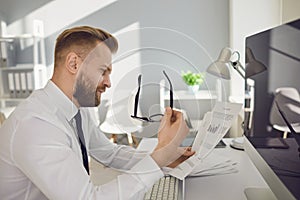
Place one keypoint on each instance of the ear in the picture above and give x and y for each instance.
(72, 62)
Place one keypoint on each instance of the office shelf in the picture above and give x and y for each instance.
(18, 80)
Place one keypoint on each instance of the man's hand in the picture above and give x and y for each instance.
(172, 131)
(187, 153)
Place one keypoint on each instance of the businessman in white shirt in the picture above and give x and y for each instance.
(45, 142)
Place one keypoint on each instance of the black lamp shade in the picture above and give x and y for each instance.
(252, 65)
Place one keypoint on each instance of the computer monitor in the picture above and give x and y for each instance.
(284, 116)
(277, 159)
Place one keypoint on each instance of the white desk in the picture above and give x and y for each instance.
(228, 186)
(225, 187)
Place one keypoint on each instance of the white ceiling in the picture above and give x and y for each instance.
(12, 10)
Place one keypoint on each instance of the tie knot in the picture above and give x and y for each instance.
(78, 117)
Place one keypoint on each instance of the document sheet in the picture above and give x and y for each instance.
(212, 129)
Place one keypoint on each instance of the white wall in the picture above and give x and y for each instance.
(185, 35)
(2, 20)
(205, 22)
(54, 15)
(194, 31)
(247, 18)
(290, 10)
(201, 30)
(2, 16)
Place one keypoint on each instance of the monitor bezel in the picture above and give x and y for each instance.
(276, 186)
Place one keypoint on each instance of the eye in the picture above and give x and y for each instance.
(102, 70)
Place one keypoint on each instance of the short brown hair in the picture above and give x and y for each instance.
(84, 38)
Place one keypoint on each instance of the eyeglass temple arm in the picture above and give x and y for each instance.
(171, 89)
(136, 100)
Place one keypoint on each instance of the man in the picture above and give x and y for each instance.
(45, 142)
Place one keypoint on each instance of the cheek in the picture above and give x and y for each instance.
(99, 84)
(96, 80)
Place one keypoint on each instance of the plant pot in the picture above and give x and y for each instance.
(193, 88)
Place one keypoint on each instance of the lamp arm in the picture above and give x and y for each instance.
(239, 68)
(237, 65)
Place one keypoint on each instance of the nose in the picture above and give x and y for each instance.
(106, 81)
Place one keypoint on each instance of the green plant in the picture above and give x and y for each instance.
(191, 78)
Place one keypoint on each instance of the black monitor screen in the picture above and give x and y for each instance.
(279, 50)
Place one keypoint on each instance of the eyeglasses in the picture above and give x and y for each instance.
(154, 117)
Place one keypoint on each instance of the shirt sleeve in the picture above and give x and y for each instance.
(43, 153)
(120, 157)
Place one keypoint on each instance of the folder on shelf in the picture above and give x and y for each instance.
(29, 76)
(24, 91)
(11, 85)
(20, 84)
(17, 84)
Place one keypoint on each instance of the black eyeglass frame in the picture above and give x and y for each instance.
(136, 101)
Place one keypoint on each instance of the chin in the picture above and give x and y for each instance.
(97, 101)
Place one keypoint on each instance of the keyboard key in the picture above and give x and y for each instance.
(165, 188)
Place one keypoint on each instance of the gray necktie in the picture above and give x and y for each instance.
(82, 141)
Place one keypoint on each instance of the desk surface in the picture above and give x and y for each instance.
(227, 186)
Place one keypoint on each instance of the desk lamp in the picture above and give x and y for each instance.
(220, 68)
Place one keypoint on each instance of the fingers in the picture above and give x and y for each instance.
(188, 151)
(171, 133)
(176, 116)
(188, 148)
(171, 116)
(168, 113)
(166, 118)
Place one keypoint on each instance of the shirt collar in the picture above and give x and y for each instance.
(61, 101)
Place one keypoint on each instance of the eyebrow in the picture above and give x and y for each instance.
(109, 68)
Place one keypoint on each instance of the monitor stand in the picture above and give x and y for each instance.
(259, 193)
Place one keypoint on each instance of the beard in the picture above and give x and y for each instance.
(85, 93)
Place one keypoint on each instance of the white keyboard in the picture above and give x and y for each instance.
(165, 188)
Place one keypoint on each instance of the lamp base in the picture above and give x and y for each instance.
(238, 143)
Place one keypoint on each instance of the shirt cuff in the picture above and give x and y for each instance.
(147, 171)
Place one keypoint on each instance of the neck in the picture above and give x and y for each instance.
(66, 85)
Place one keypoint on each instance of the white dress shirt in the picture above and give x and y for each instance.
(40, 156)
